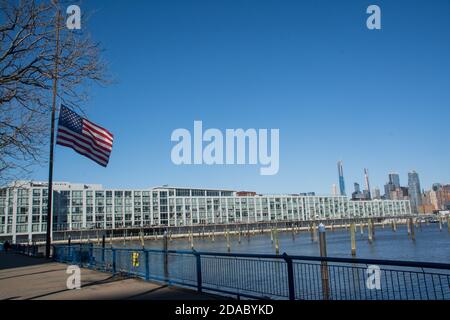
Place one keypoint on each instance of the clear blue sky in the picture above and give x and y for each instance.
(336, 90)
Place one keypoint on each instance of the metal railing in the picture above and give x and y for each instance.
(266, 276)
(26, 249)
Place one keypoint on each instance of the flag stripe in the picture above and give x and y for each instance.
(97, 138)
(105, 132)
(81, 144)
(88, 135)
(87, 140)
(83, 152)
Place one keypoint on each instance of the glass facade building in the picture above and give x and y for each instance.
(415, 193)
(79, 206)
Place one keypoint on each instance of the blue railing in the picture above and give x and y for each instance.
(266, 276)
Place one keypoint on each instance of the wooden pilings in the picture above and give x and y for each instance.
(324, 264)
(353, 238)
(370, 230)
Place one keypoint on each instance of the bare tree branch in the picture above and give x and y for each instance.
(27, 55)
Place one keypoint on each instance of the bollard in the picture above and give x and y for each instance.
(324, 264)
(353, 238)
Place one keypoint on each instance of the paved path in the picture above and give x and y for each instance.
(23, 277)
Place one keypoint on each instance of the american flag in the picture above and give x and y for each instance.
(84, 137)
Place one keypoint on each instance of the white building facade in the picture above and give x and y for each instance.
(23, 208)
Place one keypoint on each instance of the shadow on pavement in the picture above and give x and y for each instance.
(10, 260)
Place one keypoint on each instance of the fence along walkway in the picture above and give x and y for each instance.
(265, 276)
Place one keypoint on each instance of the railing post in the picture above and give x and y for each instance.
(290, 272)
(199, 271)
(166, 257)
(147, 265)
(91, 254)
(113, 260)
(103, 248)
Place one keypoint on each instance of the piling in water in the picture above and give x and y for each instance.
(324, 264)
(408, 226)
(228, 242)
(361, 228)
(440, 223)
(448, 224)
(277, 245)
(369, 230)
(413, 235)
(353, 238)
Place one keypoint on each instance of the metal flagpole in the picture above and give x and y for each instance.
(52, 141)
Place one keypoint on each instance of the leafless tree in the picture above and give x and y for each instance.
(27, 68)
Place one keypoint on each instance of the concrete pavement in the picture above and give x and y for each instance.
(23, 277)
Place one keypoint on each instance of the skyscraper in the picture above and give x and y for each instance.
(341, 178)
(394, 179)
(334, 190)
(367, 184)
(415, 194)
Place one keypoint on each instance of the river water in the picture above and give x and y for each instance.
(430, 245)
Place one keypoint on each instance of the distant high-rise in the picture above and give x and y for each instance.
(357, 188)
(367, 184)
(415, 194)
(376, 194)
(394, 179)
(341, 178)
(334, 190)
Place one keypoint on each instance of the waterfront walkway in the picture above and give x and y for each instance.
(23, 277)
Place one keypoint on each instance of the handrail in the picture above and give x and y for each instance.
(401, 263)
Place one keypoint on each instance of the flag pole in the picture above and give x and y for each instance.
(52, 142)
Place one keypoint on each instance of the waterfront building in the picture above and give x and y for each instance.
(415, 193)
(23, 208)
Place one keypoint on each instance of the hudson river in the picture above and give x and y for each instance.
(430, 245)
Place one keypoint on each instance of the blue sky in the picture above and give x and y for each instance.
(336, 90)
